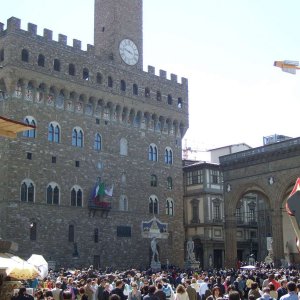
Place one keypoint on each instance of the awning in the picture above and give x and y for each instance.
(10, 128)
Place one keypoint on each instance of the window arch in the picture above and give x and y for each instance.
(76, 196)
(56, 65)
(27, 191)
(86, 74)
(169, 183)
(96, 235)
(168, 156)
(54, 132)
(123, 85)
(147, 92)
(41, 60)
(123, 203)
(170, 99)
(135, 89)
(1, 54)
(170, 207)
(153, 181)
(98, 142)
(52, 194)
(72, 69)
(71, 233)
(29, 133)
(179, 102)
(110, 81)
(25, 55)
(152, 153)
(77, 137)
(123, 147)
(99, 78)
(33, 231)
(158, 96)
(153, 205)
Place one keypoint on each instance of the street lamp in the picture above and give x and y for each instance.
(289, 66)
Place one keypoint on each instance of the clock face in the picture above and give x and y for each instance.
(129, 52)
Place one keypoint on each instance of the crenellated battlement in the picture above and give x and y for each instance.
(14, 25)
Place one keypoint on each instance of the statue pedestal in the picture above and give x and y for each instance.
(192, 265)
(155, 266)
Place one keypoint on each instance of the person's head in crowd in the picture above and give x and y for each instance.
(66, 295)
(114, 297)
(254, 285)
(159, 286)
(283, 282)
(271, 286)
(152, 289)
(119, 284)
(216, 292)
(180, 289)
(291, 286)
(234, 295)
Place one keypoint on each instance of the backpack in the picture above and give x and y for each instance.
(167, 290)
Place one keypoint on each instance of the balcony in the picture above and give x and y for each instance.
(99, 205)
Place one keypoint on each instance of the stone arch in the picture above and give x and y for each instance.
(131, 116)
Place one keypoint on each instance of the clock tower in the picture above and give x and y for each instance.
(118, 31)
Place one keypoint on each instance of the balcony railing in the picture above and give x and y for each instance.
(99, 205)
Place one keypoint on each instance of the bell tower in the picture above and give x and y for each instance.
(118, 31)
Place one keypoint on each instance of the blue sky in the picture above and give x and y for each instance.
(226, 48)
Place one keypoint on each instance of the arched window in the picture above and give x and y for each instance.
(76, 196)
(52, 194)
(153, 205)
(77, 137)
(147, 92)
(71, 234)
(27, 191)
(56, 65)
(170, 207)
(99, 78)
(96, 235)
(179, 103)
(1, 54)
(123, 85)
(72, 69)
(168, 156)
(41, 60)
(109, 81)
(29, 133)
(123, 147)
(123, 203)
(169, 183)
(152, 153)
(33, 231)
(86, 74)
(25, 55)
(135, 89)
(158, 96)
(153, 181)
(54, 132)
(170, 99)
(98, 142)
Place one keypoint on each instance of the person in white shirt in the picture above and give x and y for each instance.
(203, 288)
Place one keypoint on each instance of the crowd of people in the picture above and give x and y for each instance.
(172, 284)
